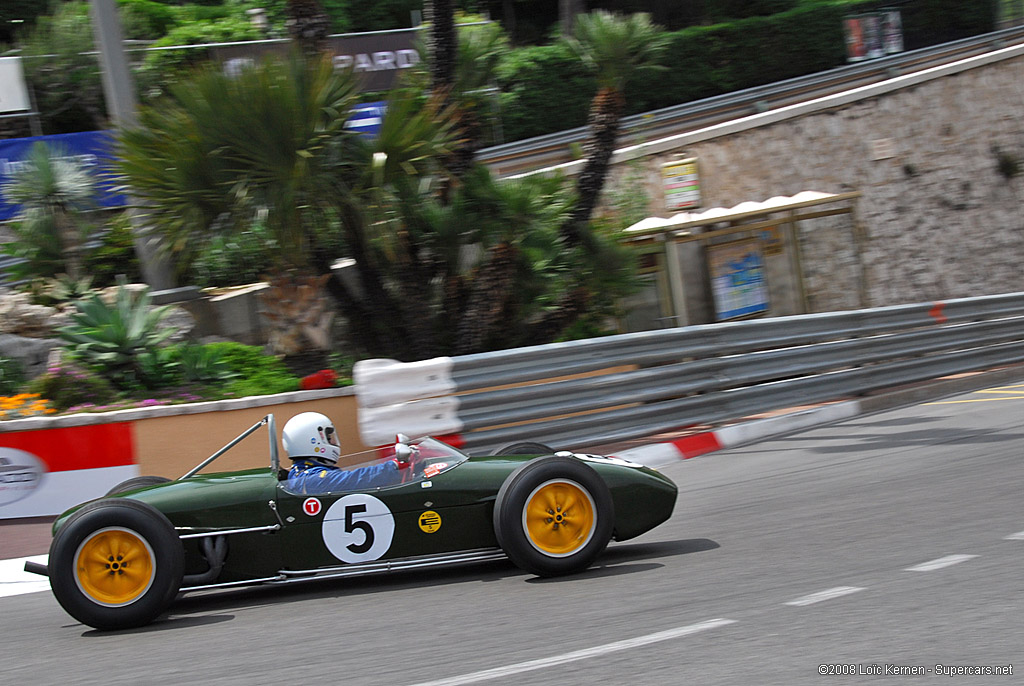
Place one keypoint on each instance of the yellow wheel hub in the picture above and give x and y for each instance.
(114, 566)
(559, 518)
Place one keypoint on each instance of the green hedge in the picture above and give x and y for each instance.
(545, 90)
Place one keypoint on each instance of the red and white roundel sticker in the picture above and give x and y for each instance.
(311, 506)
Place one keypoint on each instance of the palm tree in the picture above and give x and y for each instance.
(525, 266)
(480, 49)
(53, 190)
(225, 150)
(614, 48)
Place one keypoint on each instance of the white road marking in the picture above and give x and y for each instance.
(1019, 536)
(829, 594)
(586, 653)
(940, 563)
(14, 580)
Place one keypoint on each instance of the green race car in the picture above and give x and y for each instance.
(120, 561)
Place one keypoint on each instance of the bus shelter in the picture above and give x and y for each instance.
(782, 256)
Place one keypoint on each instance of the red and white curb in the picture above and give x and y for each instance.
(663, 454)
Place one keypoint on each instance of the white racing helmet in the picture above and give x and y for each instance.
(311, 436)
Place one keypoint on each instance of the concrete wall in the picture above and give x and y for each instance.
(170, 445)
(53, 463)
(939, 218)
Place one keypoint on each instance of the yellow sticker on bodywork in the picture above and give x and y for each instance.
(430, 521)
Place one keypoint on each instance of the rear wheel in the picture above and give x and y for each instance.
(116, 564)
(553, 516)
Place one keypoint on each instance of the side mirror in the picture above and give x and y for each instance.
(402, 452)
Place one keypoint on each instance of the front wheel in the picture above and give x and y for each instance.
(137, 482)
(523, 448)
(553, 516)
(116, 564)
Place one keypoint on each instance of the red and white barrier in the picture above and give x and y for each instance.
(45, 472)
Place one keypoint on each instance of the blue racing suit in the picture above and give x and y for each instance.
(308, 477)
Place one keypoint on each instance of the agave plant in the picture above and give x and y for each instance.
(120, 337)
(58, 291)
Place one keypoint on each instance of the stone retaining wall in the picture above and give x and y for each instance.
(941, 218)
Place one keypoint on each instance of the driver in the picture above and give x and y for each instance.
(311, 442)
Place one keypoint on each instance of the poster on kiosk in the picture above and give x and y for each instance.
(873, 35)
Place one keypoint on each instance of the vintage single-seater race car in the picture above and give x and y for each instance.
(119, 561)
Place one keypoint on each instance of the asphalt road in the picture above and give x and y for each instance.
(889, 541)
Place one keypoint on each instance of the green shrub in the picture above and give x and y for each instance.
(235, 259)
(163, 68)
(12, 375)
(114, 255)
(257, 373)
(544, 89)
(67, 386)
(145, 19)
(204, 364)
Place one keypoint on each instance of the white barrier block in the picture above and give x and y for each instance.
(383, 382)
(431, 417)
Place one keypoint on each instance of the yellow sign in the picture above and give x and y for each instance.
(430, 521)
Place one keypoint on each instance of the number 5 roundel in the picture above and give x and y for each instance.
(358, 528)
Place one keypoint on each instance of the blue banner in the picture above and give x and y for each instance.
(93, 149)
(366, 118)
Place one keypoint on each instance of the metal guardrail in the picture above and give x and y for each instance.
(555, 148)
(628, 386)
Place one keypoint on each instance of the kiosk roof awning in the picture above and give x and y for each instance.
(715, 215)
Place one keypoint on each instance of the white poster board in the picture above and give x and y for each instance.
(13, 89)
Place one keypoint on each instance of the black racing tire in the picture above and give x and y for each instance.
(116, 564)
(553, 516)
(137, 482)
(523, 448)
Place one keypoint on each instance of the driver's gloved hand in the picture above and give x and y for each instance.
(404, 456)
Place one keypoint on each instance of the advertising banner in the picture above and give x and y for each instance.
(91, 149)
(376, 56)
(45, 472)
(737, 279)
(366, 118)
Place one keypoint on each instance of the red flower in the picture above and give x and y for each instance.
(324, 378)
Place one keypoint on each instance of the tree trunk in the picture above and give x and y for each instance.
(308, 25)
(567, 11)
(508, 14)
(298, 312)
(441, 44)
(489, 292)
(382, 314)
(70, 244)
(605, 115)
